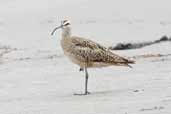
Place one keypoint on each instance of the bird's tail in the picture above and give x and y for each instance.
(130, 62)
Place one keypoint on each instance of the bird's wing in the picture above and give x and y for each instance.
(93, 52)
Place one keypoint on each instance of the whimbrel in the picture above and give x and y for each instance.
(87, 53)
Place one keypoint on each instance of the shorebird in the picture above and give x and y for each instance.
(87, 53)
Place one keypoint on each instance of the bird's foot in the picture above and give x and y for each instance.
(86, 93)
(80, 94)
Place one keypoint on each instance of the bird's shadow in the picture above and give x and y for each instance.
(107, 92)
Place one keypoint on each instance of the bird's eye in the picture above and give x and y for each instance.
(67, 24)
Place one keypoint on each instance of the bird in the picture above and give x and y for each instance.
(87, 53)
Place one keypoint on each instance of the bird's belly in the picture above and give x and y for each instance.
(99, 65)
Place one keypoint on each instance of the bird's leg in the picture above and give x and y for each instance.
(86, 82)
(81, 69)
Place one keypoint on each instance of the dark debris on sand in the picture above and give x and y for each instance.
(5, 49)
(125, 46)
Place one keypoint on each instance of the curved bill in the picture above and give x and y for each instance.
(55, 29)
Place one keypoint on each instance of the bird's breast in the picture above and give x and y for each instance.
(68, 50)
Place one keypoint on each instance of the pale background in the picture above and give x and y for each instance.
(36, 78)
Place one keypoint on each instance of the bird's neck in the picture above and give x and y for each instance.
(66, 32)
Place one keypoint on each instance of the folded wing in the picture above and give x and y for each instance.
(89, 51)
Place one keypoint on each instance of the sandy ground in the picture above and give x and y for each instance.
(36, 78)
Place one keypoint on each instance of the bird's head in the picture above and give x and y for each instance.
(64, 24)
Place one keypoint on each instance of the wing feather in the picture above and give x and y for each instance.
(91, 51)
(85, 43)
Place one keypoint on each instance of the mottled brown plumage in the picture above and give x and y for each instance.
(87, 53)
